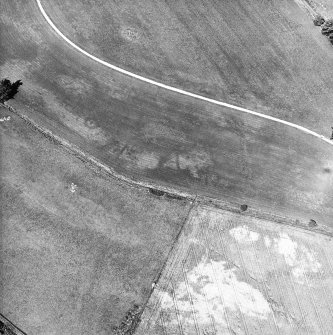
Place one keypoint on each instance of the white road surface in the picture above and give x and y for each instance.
(174, 89)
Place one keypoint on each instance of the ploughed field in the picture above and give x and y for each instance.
(262, 55)
(78, 249)
(151, 134)
(236, 274)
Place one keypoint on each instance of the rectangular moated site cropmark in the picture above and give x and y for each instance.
(235, 274)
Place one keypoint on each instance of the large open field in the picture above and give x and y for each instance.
(78, 250)
(264, 55)
(152, 134)
(236, 274)
(81, 249)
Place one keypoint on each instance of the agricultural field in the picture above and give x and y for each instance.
(78, 249)
(235, 274)
(262, 55)
(90, 238)
(151, 134)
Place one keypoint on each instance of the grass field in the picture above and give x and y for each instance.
(152, 134)
(262, 55)
(235, 274)
(77, 250)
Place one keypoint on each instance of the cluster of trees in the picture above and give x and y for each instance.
(326, 26)
(327, 29)
(8, 90)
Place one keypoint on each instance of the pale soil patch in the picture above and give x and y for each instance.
(154, 132)
(299, 257)
(244, 235)
(16, 67)
(147, 160)
(129, 33)
(194, 161)
(235, 274)
(85, 128)
(77, 86)
(5, 118)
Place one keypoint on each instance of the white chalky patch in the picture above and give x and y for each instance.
(243, 234)
(194, 161)
(287, 247)
(268, 241)
(73, 187)
(306, 263)
(211, 282)
(148, 160)
(300, 258)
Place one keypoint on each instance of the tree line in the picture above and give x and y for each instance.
(326, 26)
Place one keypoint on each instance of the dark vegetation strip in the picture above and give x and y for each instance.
(132, 319)
(170, 193)
(97, 165)
(327, 29)
(160, 193)
(8, 328)
(326, 26)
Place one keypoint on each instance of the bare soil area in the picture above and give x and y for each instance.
(78, 251)
(234, 274)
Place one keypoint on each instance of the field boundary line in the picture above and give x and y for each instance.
(10, 326)
(232, 204)
(95, 163)
(174, 89)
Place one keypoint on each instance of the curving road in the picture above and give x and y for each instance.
(77, 260)
(264, 57)
(150, 133)
(174, 89)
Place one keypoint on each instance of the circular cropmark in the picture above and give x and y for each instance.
(130, 34)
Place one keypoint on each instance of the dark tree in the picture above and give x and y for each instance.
(330, 37)
(318, 20)
(327, 27)
(313, 223)
(8, 90)
(327, 31)
(243, 207)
